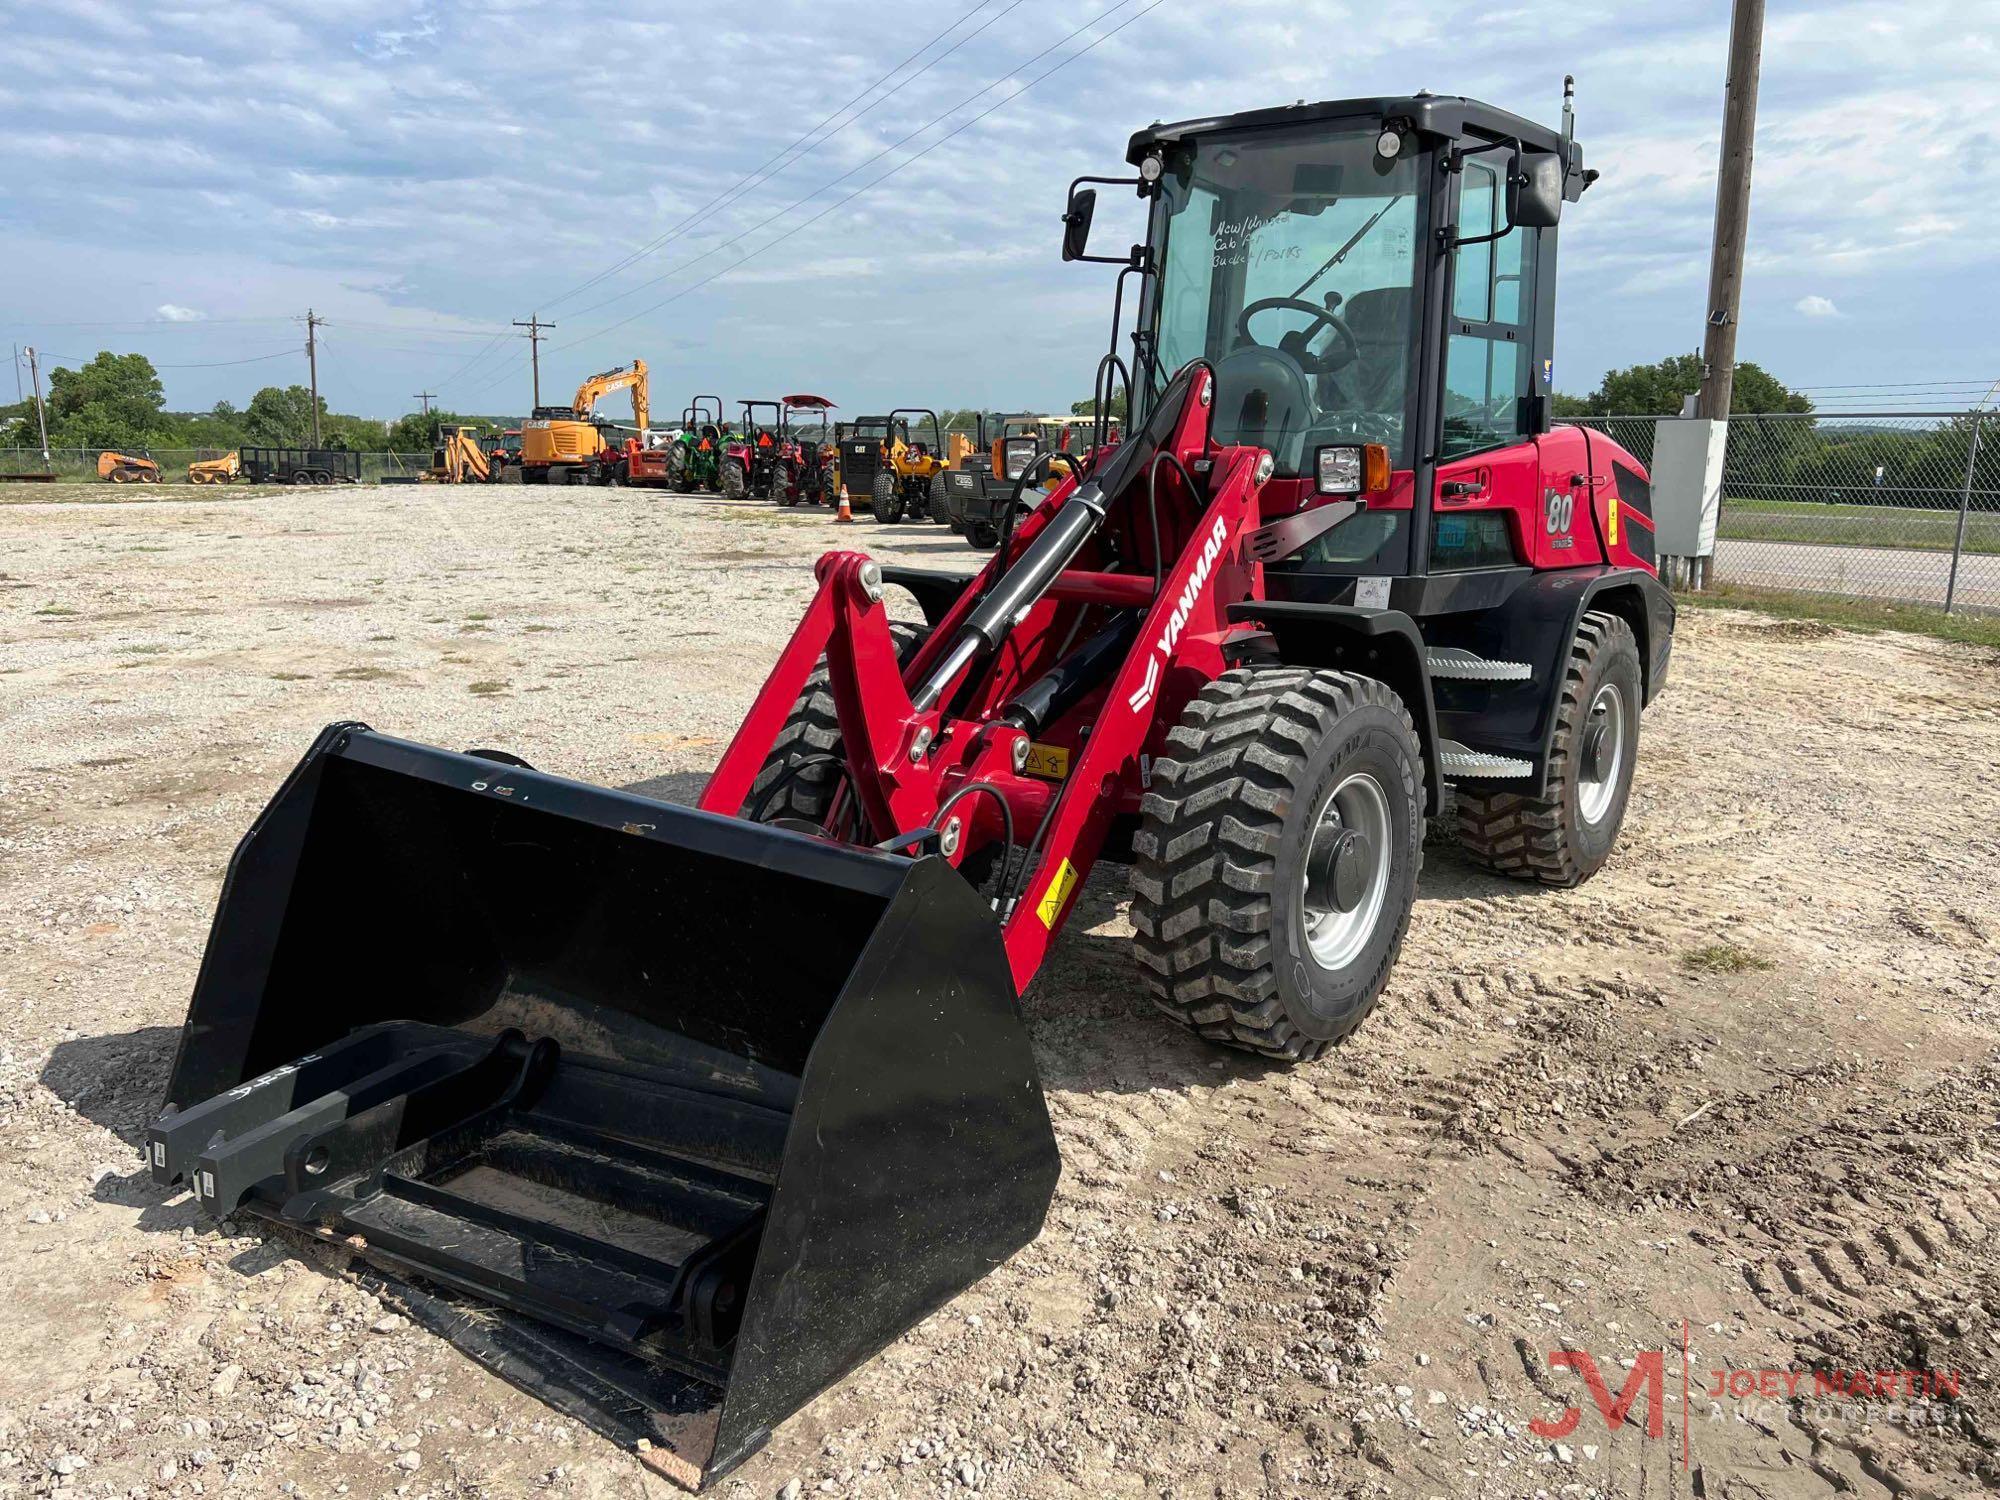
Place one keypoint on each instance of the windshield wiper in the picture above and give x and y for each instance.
(1354, 239)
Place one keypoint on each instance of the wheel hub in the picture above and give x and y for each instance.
(1600, 749)
(1596, 745)
(1343, 863)
(1346, 871)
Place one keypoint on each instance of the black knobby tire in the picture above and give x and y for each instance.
(885, 499)
(734, 484)
(1219, 880)
(1552, 839)
(812, 728)
(829, 492)
(983, 536)
(940, 500)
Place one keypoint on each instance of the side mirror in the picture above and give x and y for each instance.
(1534, 190)
(1076, 223)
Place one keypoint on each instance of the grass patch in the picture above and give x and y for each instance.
(472, 629)
(58, 609)
(1842, 525)
(538, 629)
(363, 674)
(479, 616)
(142, 650)
(291, 677)
(381, 637)
(1723, 958)
(1866, 615)
(488, 689)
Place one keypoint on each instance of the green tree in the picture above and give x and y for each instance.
(1089, 408)
(1659, 390)
(414, 432)
(113, 401)
(281, 417)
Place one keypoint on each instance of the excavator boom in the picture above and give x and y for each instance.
(597, 387)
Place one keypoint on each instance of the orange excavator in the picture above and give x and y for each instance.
(564, 443)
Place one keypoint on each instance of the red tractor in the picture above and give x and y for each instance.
(798, 471)
(709, 1103)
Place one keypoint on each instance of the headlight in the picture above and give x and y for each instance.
(1354, 470)
(1340, 471)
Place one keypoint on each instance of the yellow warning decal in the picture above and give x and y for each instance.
(1050, 761)
(1611, 526)
(1057, 895)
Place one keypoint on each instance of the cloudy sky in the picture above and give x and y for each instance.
(719, 189)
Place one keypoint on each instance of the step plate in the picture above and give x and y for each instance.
(1464, 666)
(1456, 761)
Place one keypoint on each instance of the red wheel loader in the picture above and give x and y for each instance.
(673, 1115)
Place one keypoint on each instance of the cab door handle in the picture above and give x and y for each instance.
(1460, 489)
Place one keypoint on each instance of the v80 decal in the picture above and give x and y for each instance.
(1163, 648)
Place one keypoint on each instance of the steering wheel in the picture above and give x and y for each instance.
(1347, 348)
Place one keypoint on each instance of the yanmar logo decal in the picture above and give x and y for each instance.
(1163, 648)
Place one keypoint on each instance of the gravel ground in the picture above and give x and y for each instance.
(1733, 1101)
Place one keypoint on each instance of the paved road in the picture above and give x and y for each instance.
(1866, 572)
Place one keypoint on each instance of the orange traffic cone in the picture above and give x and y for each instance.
(846, 509)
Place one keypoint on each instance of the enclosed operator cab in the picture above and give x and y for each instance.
(1373, 282)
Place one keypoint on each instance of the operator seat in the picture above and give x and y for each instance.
(1380, 320)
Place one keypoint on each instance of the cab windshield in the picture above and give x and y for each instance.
(1290, 263)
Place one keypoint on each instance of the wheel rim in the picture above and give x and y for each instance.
(1346, 880)
(1603, 752)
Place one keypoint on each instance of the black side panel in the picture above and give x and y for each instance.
(250, 915)
(1381, 643)
(920, 1157)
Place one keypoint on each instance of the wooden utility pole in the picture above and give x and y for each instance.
(41, 414)
(535, 327)
(1732, 208)
(313, 320)
(426, 397)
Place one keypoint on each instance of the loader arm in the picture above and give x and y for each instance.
(934, 749)
(632, 377)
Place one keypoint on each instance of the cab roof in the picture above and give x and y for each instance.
(1448, 115)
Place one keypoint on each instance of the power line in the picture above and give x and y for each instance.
(929, 124)
(220, 363)
(477, 358)
(759, 174)
(876, 181)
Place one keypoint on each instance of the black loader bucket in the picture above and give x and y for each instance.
(652, 1111)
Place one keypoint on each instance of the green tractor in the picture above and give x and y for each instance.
(695, 460)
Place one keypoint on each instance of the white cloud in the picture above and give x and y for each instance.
(427, 193)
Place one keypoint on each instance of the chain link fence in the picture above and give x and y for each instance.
(1898, 506)
(73, 465)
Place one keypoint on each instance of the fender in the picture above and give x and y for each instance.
(1381, 643)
